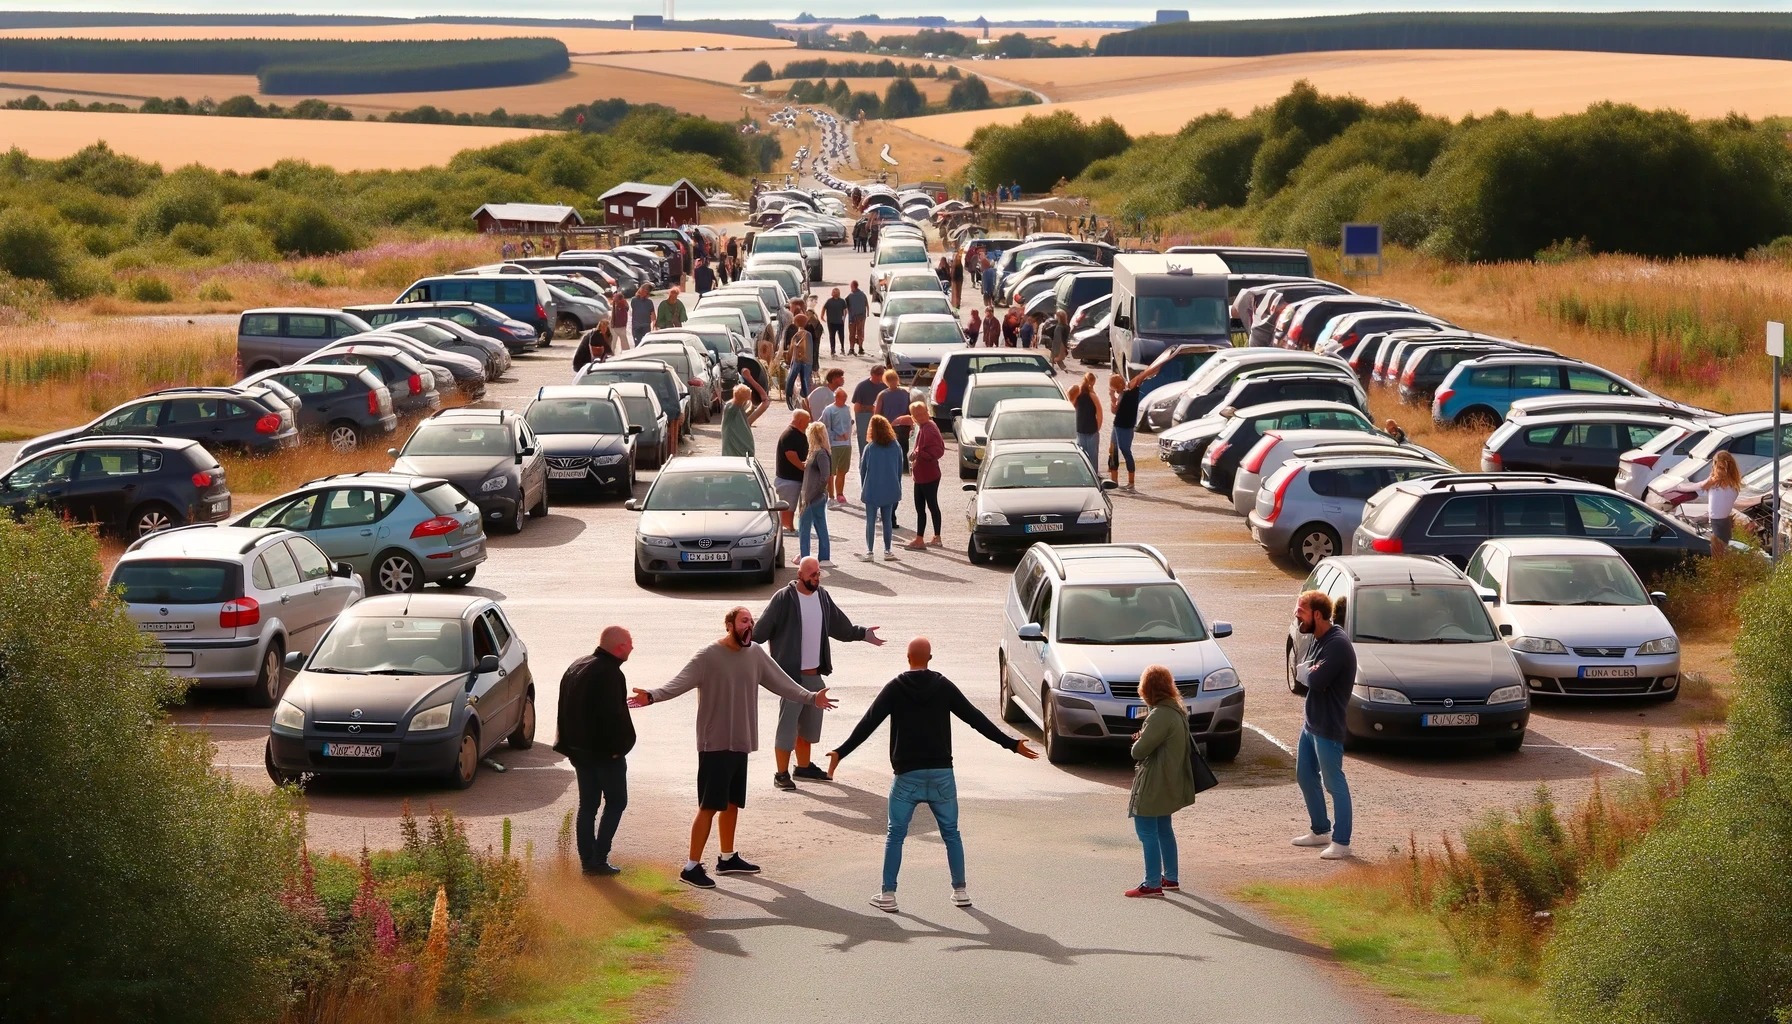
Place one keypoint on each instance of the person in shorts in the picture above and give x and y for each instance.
(787, 473)
(796, 627)
(839, 420)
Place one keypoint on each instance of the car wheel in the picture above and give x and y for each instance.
(1313, 543)
(395, 572)
(344, 436)
(466, 760)
(1225, 748)
(972, 554)
(458, 580)
(267, 681)
(1294, 685)
(566, 326)
(1510, 744)
(523, 737)
(644, 579)
(153, 517)
(278, 775)
(1057, 748)
(1010, 708)
(540, 508)
(966, 474)
(514, 524)
(783, 561)
(1477, 418)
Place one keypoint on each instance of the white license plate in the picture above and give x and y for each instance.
(165, 627)
(1256, 535)
(566, 474)
(1140, 710)
(704, 556)
(1455, 719)
(469, 552)
(221, 506)
(353, 750)
(1608, 672)
(1045, 527)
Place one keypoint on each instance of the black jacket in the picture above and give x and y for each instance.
(780, 629)
(594, 719)
(920, 704)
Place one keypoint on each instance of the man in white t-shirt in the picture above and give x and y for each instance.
(796, 627)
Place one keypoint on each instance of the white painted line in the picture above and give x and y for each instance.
(1584, 752)
(1259, 730)
(1564, 746)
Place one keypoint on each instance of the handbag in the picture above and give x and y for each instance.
(1198, 769)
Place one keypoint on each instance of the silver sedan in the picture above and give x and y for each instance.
(709, 516)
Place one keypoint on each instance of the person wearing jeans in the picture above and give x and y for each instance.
(1123, 402)
(1163, 783)
(595, 733)
(1329, 672)
(929, 446)
(880, 485)
(818, 473)
(1088, 419)
(920, 704)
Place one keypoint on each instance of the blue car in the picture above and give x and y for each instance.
(1481, 390)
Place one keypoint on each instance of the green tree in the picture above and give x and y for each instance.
(864, 102)
(903, 99)
(33, 246)
(760, 72)
(1041, 149)
(969, 94)
(308, 228)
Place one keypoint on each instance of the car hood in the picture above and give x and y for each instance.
(43, 442)
(580, 444)
(1208, 428)
(328, 697)
(1420, 670)
(932, 352)
(695, 525)
(1587, 625)
(454, 468)
(969, 428)
(1030, 500)
(1127, 662)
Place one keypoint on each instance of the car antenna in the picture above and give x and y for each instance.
(1412, 583)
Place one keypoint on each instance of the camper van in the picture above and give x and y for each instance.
(1162, 300)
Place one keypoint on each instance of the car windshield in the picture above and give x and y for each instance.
(652, 378)
(984, 399)
(1419, 613)
(459, 439)
(901, 254)
(777, 243)
(929, 334)
(1182, 314)
(175, 582)
(1038, 469)
(909, 302)
(398, 645)
(573, 416)
(1153, 613)
(1573, 580)
(718, 491)
(1035, 423)
(915, 283)
(577, 287)
(640, 410)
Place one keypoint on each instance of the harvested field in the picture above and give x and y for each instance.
(727, 66)
(578, 40)
(1167, 91)
(246, 144)
(932, 88)
(1063, 36)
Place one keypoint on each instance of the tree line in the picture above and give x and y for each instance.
(902, 98)
(821, 67)
(939, 42)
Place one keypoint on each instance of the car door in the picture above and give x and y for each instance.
(304, 334)
(513, 664)
(534, 468)
(290, 596)
(490, 693)
(1457, 529)
(1646, 541)
(1531, 381)
(41, 482)
(324, 595)
(135, 418)
(348, 524)
(103, 485)
(1034, 664)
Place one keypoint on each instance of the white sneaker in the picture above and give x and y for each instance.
(890, 556)
(826, 564)
(1314, 839)
(865, 556)
(961, 898)
(885, 901)
(1336, 851)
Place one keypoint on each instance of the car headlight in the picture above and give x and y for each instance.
(496, 483)
(606, 460)
(656, 542)
(431, 719)
(991, 519)
(1538, 645)
(1220, 679)
(1180, 446)
(1665, 645)
(1508, 695)
(1076, 682)
(288, 716)
(757, 538)
(1092, 515)
(1379, 694)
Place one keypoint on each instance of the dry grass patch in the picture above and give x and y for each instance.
(64, 378)
(256, 478)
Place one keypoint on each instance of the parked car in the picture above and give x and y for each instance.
(708, 516)
(1268, 307)
(489, 455)
(1212, 376)
(1080, 625)
(673, 393)
(1028, 491)
(981, 394)
(1481, 390)
(1260, 386)
(1279, 445)
(228, 603)
(266, 338)
(755, 321)
(791, 242)
(1340, 335)
(642, 406)
(1300, 324)
(892, 255)
(515, 335)
(725, 343)
(586, 438)
(1031, 419)
(1309, 505)
(1582, 445)
(128, 484)
(1430, 668)
(415, 684)
(946, 395)
(1577, 617)
(1219, 467)
(465, 375)
(452, 337)
(1089, 339)
(919, 342)
(1748, 438)
(343, 404)
(908, 304)
(399, 532)
(690, 360)
(243, 419)
(411, 384)
(520, 298)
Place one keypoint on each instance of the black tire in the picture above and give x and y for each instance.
(277, 775)
(973, 554)
(1294, 687)
(1010, 708)
(1510, 744)
(644, 579)
(1314, 542)
(1225, 748)
(458, 580)
(395, 572)
(1058, 750)
(1477, 417)
(343, 436)
(514, 524)
(151, 517)
(465, 768)
(565, 326)
(268, 680)
(540, 509)
(523, 736)
(964, 474)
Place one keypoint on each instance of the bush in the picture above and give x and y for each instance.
(1038, 150)
(903, 99)
(149, 887)
(33, 246)
(213, 291)
(189, 196)
(760, 72)
(149, 289)
(307, 228)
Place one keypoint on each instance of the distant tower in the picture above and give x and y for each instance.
(668, 10)
(982, 23)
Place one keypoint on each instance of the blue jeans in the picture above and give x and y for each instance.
(936, 788)
(793, 373)
(1122, 449)
(1091, 446)
(1319, 760)
(814, 517)
(872, 514)
(1158, 837)
(602, 781)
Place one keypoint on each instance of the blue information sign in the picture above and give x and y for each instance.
(1362, 240)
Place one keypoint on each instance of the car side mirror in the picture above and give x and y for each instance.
(633, 429)
(392, 452)
(342, 570)
(1505, 629)
(1109, 485)
(294, 660)
(782, 506)
(1123, 322)
(1658, 597)
(980, 439)
(487, 664)
(1488, 595)
(1031, 633)
(1658, 531)
(970, 487)
(956, 411)
(632, 505)
(1221, 630)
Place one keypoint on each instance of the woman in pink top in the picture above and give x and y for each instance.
(924, 457)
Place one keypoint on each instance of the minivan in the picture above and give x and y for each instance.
(522, 298)
(266, 338)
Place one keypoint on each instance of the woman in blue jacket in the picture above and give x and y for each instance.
(880, 484)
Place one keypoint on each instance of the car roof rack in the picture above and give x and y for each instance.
(263, 534)
(1050, 554)
(1493, 480)
(140, 541)
(195, 388)
(155, 438)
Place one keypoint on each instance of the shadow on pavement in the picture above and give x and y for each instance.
(866, 813)
(1236, 928)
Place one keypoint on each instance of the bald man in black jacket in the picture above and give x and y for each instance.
(596, 734)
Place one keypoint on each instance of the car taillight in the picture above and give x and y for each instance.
(373, 403)
(416, 383)
(1676, 497)
(1409, 377)
(1214, 453)
(269, 424)
(1253, 460)
(1493, 459)
(1294, 334)
(202, 479)
(1645, 461)
(434, 527)
(1444, 396)
(244, 611)
(939, 392)
(1387, 545)
(1281, 489)
(1346, 341)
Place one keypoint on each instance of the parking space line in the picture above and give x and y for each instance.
(1585, 752)
(1259, 730)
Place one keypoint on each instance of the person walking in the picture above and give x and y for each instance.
(892, 405)
(1011, 327)
(858, 236)
(796, 361)
(988, 280)
(640, 313)
(738, 419)
(595, 733)
(732, 249)
(992, 327)
(787, 472)
(727, 675)
(920, 705)
(943, 271)
(1329, 672)
(797, 628)
(671, 312)
(973, 328)
(1057, 340)
(880, 485)
(858, 307)
(834, 312)
(957, 280)
(822, 398)
(1029, 331)
(703, 278)
(1721, 488)
(929, 446)
(812, 508)
(619, 314)
(1162, 782)
(838, 418)
(1123, 401)
(864, 402)
(1088, 419)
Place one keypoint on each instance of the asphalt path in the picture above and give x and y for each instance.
(1049, 848)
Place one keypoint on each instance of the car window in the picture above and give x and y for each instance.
(1532, 514)
(1541, 437)
(260, 325)
(1593, 382)
(291, 515)
(139, 416)
(470, 439)
(1574, 580)
(343, 328)
(1606, 516)
(307, 326)
(1477, 570)
(1034, 424)
(1334, 419)
(1461, 517)
(1357, 482)
(982, 400)
(1041, 611)
(279, 567)
(103, 463)
(312, 563)
(1398, 473)
(1641, 434)
(1158, 613)
(725, 491)
(1535, 377)
(1594, 435)
(355, 506)
(1027, 586)
(498, 627)
(484, 643)
(1491, 377)
(1420, 614)
(259, 574)
(193, 410)
(175, 581)
(41, 471)
(1037, 469)
(390, 645)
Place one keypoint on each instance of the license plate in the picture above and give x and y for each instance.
(1608, 672)
(1045, 527)
(166, 659)
(1140, 710)
(704, 556)
(353, 750)
(566, 474)
(469, 552)
(221, 506)
(1256, 535)
(165, 627)
(1455, 719)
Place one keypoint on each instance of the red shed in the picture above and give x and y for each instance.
(638, 205)
(529, 218)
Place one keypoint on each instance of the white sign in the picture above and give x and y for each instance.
(1776, 339)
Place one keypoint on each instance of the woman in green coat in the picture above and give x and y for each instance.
(1162, 783)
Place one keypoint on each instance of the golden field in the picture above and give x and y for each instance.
(246, 144)
(578, 40)
(726, 66)
(1063, 36)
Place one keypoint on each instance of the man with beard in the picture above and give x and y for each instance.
(727, 676)
(1329, 672)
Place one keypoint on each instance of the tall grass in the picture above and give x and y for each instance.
(64, 377)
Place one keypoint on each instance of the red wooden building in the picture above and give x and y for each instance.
(638, 205)
(525, 218)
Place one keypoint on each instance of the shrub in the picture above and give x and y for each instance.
(213, 291)
(307, 228)
(33, 246)
(760, 72)
(188, 196)
(1038, 150)
(149, 288)
(903, 99)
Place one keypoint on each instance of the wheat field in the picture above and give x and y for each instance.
(577, 40)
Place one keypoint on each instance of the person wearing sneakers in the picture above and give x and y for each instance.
(920, 704)
(796, 627)
(880, 485)
(1329, 672)
(1162, 783)
(596, 735)
(727, 675)
(924, 466)
(838, 419)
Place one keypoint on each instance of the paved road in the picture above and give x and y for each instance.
(1050, 848)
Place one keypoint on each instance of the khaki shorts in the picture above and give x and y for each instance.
(842, 455)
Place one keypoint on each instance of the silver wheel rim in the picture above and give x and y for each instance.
(469, 757)
(151, 521)
(396, 575)
(1316, 546)
(343, 439)
(271, 667)
(528, 731)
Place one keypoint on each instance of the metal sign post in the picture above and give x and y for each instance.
(1776, 348)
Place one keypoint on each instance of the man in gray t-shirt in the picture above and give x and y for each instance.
(640, 313)
(738, 419)
(858, 307)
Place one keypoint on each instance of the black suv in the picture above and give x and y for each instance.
(1585, 445)
(129, 484)
(1451, 515)
(247, 419)
(343, 403)
(489, 455)
(947, 391)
